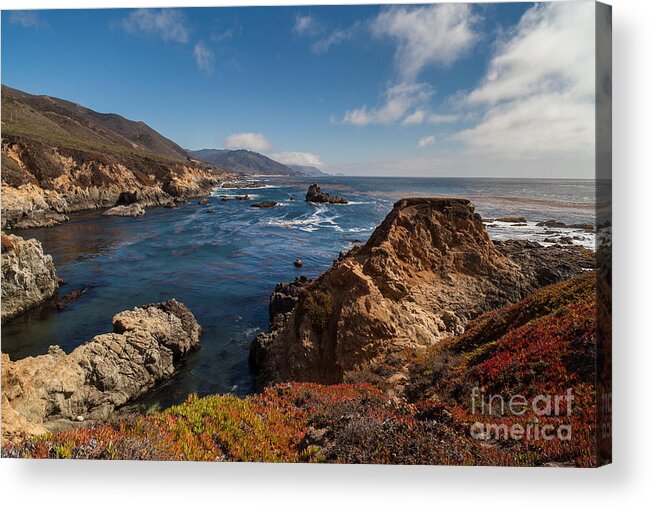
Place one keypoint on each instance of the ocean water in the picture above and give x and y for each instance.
(224, 265)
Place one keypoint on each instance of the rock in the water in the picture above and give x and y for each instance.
(426, 271)
(552, 223)
(70, 298)
(583, 227)
(512, 220)
(131, 210)
(28, 275)
(562, 225)
(315, 194)
(55, 390)
(264, 204)
(242, 184)
(204, 201)
(298, 263)
(547, 265)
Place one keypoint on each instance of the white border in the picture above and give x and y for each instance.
(627, 481)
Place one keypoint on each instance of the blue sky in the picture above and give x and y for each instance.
(434, 90)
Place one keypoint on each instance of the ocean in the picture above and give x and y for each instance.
(224, 265)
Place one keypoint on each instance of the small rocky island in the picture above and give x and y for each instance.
(315, 194)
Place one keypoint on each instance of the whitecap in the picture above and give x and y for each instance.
(320, 219)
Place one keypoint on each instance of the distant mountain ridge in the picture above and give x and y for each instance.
(243, 161)
(308, 170)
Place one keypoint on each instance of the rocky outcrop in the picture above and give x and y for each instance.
(44, 183)
(59, 157)
(264, 204)
(59, 390)
(545, 265)
(315, 194)
(132, 210)
(426, 271)
(28, 275)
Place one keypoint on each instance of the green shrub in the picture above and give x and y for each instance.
(318, 308)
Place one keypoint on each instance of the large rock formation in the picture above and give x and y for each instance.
(58, 390)
(315, 194)
(28, 275)
(426, 271)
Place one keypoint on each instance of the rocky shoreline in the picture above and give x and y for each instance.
(422, 280)
(425, 272)
(42, 184)
(58, 390)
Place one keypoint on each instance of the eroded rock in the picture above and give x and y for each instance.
(59, 390)
(426, 271)
(131, 210)
(28, 275)
(315, 194)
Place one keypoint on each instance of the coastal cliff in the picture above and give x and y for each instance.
(425, 272)
(547, 339)
(28, 275)
(59, 157)
(59, 390)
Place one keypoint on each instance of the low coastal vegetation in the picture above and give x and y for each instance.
(544, 343)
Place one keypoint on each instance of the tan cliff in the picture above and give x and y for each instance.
(41, 184)
(28, 275)
(426, 271)
(59, 390)
(59, 157)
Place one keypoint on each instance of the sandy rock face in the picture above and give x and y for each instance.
(28, 275)
(41, 184)
(132, 210)
(58, 390)
(427, 270)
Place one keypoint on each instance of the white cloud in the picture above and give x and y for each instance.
(297, 158)
(168, 24)
(539, 91)
(336, 37)
(26, 19)
(401, 102)
(248, 141)
(304, 24)
(443, 118)
(433, 34)
(222, 35)
(203, 57)
(535, 127)
(415, 118)
(429, 35)
(426, 141)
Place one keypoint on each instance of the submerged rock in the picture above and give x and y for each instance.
(512, 220)
(131, 210)
(264, 204)
(427, 270)
(70, 298)
(28, 275)
(57, 390)
(315, 194)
